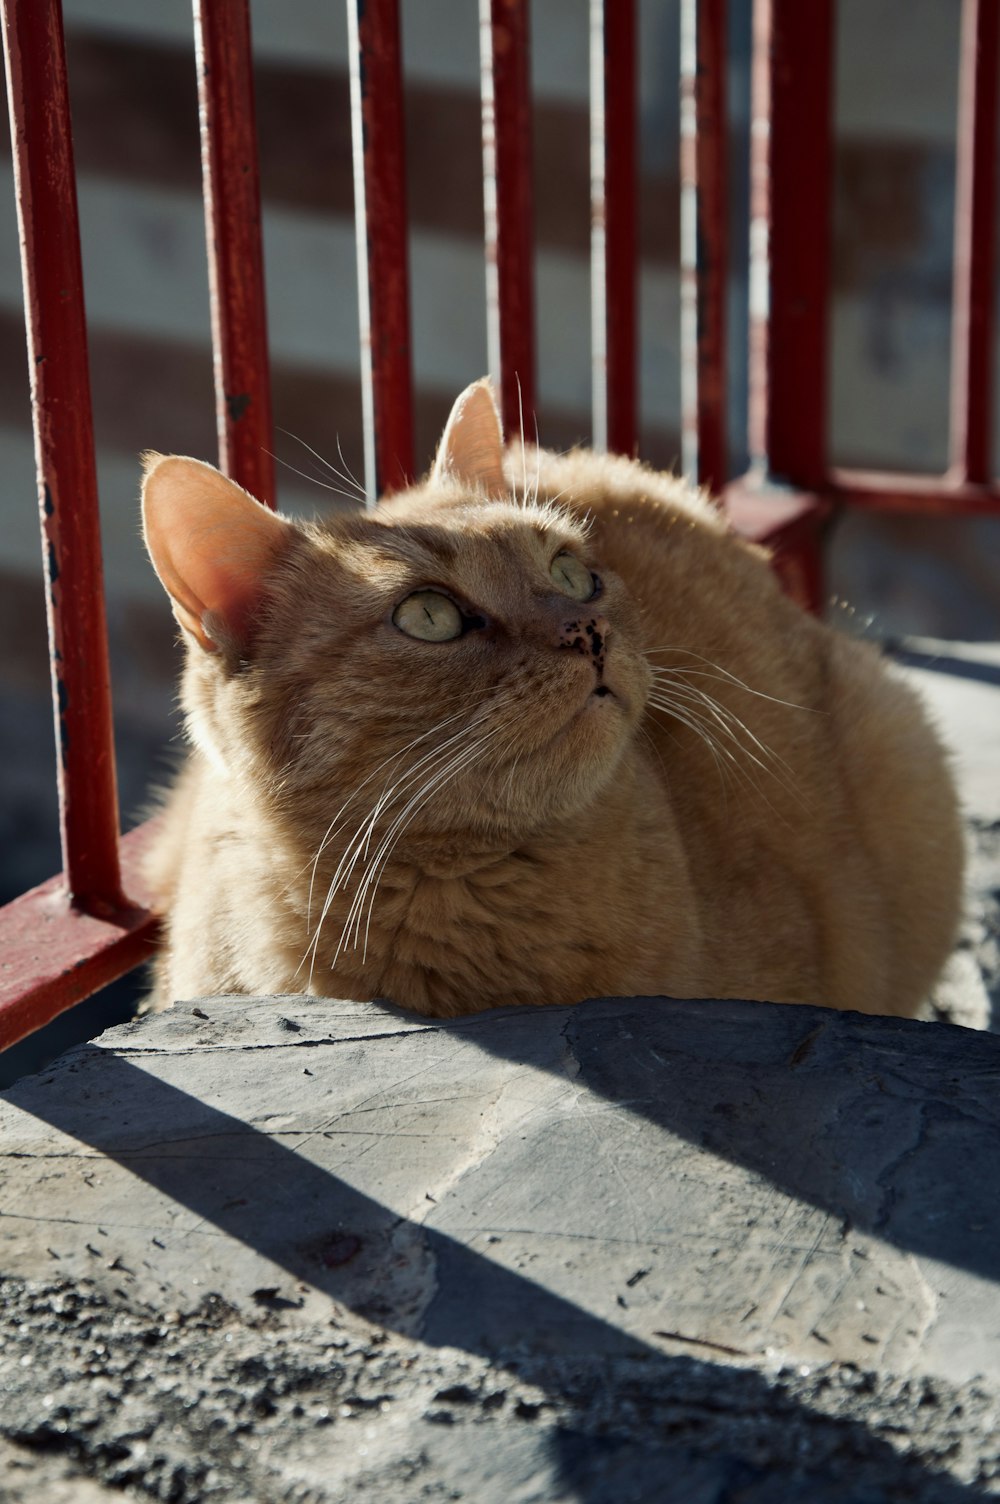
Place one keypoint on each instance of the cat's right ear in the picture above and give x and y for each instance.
(471, 447)
(212, 546)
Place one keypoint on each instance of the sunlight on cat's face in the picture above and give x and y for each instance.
(481, 655)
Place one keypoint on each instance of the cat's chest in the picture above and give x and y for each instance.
(516, 930)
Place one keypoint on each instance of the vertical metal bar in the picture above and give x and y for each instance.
(613, 215)
(972, 374)
(235, 254)
(791, 164)
(507, 190)
(383, 262)
(64, 449)
(704, 240)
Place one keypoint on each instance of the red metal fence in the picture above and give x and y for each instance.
(62, 941)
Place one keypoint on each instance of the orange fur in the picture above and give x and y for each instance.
(726, 800)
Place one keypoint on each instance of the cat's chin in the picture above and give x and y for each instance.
(603, 716)
(577, 761)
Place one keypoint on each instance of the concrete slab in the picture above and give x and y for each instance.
(300, 1249)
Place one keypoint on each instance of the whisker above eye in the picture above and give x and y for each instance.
(313, 480)
(346, 475)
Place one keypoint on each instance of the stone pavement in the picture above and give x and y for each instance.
(641, 1249)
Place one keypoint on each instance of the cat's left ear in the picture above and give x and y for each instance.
(212, 546)
(471, 447)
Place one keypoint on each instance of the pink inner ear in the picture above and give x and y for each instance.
(471, 447)
(212, 546)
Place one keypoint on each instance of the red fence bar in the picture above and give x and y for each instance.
(508, 198)
(380, 223)
(791, 175)
(975, 244)
(64, 449)
(704, 240)
(778, 503)
(235, 255)
(613, 254)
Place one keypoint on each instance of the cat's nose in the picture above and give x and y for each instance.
(587, 635)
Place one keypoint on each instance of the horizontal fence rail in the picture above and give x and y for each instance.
(68, 937)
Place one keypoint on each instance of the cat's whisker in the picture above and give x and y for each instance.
(349, 478)
(438, 778)
(670, 700)
(475, 752)
(332, 828)
(356, 847)
(731, 724)
(524, 454)
(694, 724)
(350, 473)
(351, 845)
(393, 757)
(728, 720)
(725, 674)
(669, 706)
(313, 480)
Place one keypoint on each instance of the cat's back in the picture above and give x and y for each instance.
(810, 781)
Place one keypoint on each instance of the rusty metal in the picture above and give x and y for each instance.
(381, 229)
(972, 374)
(64, 450)
(509, 210)
(704, 241)
(55, 955)
(231, 192)
(613, 220)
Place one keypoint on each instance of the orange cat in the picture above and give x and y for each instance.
(538, 729)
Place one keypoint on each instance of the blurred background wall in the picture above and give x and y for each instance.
(133, 89)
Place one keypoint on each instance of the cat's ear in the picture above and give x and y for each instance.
(212, 546)
(471, 447)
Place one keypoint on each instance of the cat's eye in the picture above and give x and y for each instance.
(572, 577)
(428, 616)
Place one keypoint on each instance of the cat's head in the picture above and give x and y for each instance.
(456, 659)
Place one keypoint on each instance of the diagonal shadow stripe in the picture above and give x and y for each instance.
(309, 1221)
(286, 1208)
(891, 1125)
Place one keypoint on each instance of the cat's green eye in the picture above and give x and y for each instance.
(572, 577)
(428, 616)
